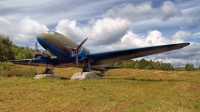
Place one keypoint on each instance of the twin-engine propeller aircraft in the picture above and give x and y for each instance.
(69, 53)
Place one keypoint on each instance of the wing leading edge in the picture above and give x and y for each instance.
(113, 56)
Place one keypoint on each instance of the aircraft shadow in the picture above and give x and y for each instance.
(62, 78)
(133, 79)
(148, 80)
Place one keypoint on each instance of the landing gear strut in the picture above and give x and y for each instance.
(48, 70)
(86, 65)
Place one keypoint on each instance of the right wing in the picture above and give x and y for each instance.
(114, 56)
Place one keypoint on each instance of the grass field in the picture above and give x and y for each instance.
(122, 90)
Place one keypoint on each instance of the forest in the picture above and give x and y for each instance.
(151, 65)
(9, 51)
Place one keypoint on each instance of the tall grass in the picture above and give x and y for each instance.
(127, 90)
(9, 70)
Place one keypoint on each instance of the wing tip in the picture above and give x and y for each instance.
(186, 44)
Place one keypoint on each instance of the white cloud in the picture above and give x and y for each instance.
(131, 11)
(49, 12)
(155, 38)
(101, 32)
(132, 40)
(31, 27)
(23, 33)
(4, 21)
(189, 54)
(27, 31)
(70, 29)
(177, 62)
(197, 34)
(5, 29)
(181, 35)
(143, 11)
(192, 19)
(169, 10)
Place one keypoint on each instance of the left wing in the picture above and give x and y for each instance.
(43, 60)
(114, 56)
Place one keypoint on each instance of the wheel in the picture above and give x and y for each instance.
(47, 71)
(86, 69)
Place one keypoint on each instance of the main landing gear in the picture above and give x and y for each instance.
(48, 69)
(86, 65)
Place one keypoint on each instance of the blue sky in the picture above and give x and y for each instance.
(109, 24)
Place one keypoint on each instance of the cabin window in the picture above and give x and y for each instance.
(56, 35)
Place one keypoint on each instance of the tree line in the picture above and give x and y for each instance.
(9, 51)
(143, 64)
(151, 65)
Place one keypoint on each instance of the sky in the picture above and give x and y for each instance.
(109, 24)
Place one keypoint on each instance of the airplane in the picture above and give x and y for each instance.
(68, 53)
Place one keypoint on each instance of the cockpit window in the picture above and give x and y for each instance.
(50, 32)
(53, 33)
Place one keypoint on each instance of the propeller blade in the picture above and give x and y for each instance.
(38, 53)
(77, 48)
(77, 57)
(34, 56)
(80, 45)
(36, 45)
(30, 61)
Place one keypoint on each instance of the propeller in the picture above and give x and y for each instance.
(76, 49)
(37, 53)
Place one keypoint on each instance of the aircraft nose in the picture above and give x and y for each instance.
(40, 36)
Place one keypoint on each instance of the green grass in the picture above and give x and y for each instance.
(122, 90)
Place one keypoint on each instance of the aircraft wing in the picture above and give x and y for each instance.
(42, 60)
(25, 61)
(113, 56)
